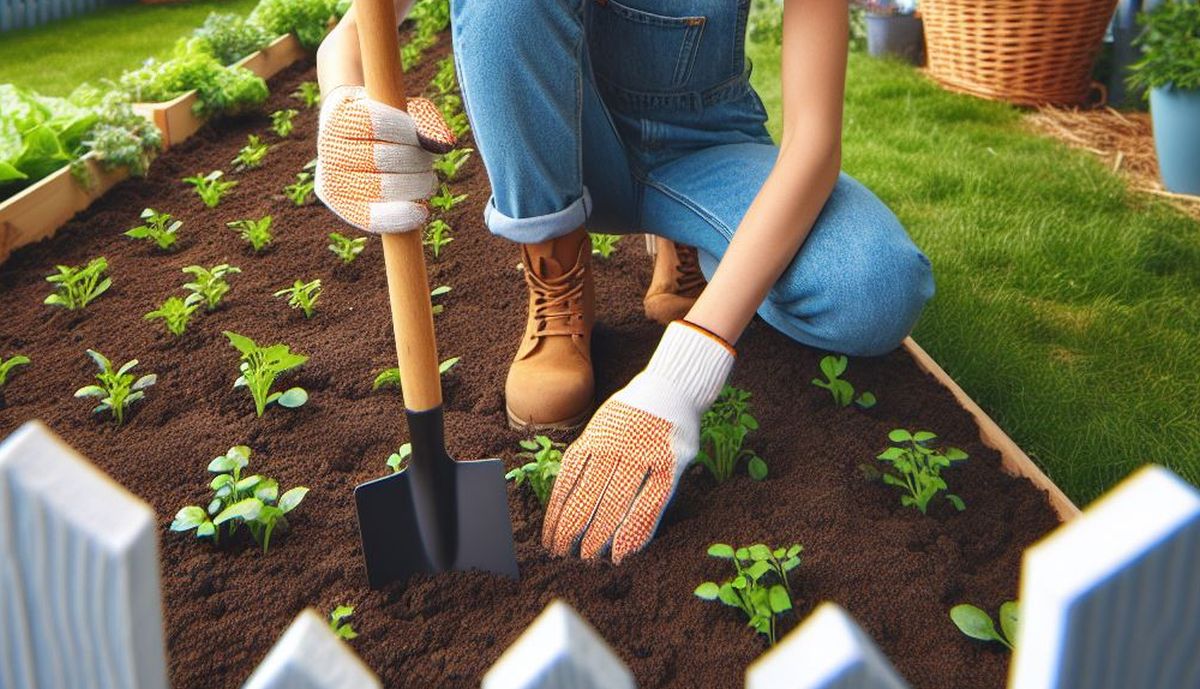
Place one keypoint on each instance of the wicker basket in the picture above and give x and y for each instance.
(1029, 52)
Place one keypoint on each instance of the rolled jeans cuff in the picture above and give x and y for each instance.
(539, 228)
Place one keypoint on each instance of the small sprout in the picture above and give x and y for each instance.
(211, 188)
(445, 80)
(251, 500)
(260, 366)
(459, 125)
(175, 313)
(209, 284)
(543, 462)
(300, 191)
(445, 200)
(449, 105)
(449, 164)
(917, 468)
(252, 154)
(977, 624)
(157, 227)
(339, 624)
(391, 376)
(302, 295)
(282, 122)
(843, 392)
(437, 236)
(117, 389)
(603, 245)
(76, 287)
(7, 366)
(396, 460)
(438, 291)
(723, 430)
(760, 587)
(308, 93)
(346, 248)
(257, 233)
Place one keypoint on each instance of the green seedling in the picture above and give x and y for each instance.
(302, 295)
(445, 200)
(437, 236)
(175, 313)
(449, 164)
(300, 191)
(396, 460)
(759, 588)
(449, 105)
(117, 389)
(390, 377)
(543, 462)
(916, 467)
(723, 430)
(977, 624)
(459, 125)
(346, 248)
(75, 287)
(252, 154)
(445, 80)
(339, 624)
(437, 292)
(843, 392)
(260, 366)
(283, 122)
(208, 284)
(8, 366)
(603, 245)
(157, 227)
(309, 93)
(211, 188)
(253, 501)
(257, 233)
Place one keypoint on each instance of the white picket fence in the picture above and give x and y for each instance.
(21, 14)
(1110, 600)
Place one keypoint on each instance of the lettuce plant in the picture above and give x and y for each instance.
(75, 287)
(759, 588)
(338, 622)
(7, 366)
(603, 245)
(252, 154)
(302, 295)
(841, 389)
(309, 93)
(437, 236)
(300, 191)
(283, 121)
(175, 313)
(916, 468)
(117, 388)
(208, 284)
(543, 462)
(977, 624)
(346, 248)
(157, 227)
(450, 163)
(391, 376)
(256, 233)
(211, 187)
(445, 200)
(723, 430)
(260, 366)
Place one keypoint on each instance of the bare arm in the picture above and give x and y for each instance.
(815, 36)
(338, 60)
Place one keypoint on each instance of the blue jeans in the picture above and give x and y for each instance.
(638, 115)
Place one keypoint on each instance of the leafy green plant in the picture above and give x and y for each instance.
(218, 88)
(309, 93)
(436, 292)
(300, 191)
(445, 200)
(603, 245)
(157, 227)
(211, 187)
(175, 313)
(121, 137)
(257, 233)
(841, 389)
(391, 376)
(283, 121)
(117, 388)
(1170, 43)
(302, 295)
(76, 287)
(459, 125)
(260, 366)
(229, 37)
(338, 622)
(977, 624)
(307, 19)
(759, 588)
(543, 462)
(445, 79)
(449, 105)
(252, 154)
(723, 430)
(253, 501)
(346, 248)
(916, 468)
(450, 163)
(437, 236)
(396, 460)
(209, 284)
(7, 366)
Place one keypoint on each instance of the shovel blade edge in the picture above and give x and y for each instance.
(392, 545)
(484, 526)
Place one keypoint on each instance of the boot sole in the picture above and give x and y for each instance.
(515, 422)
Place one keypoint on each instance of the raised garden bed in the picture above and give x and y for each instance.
(896, 571)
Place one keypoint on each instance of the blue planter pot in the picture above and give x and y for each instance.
(900, 35)
(1175, 114)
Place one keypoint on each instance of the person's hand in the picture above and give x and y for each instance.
(375, 162)
(618, 476)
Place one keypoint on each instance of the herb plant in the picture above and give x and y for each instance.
(307, 19)
(253, 501)
(841, 389)
(346, 248)
(252, 154)
(437, 236)
(7, 366)
(211, 187)
(916, 468)
(117, 388)
(759, 588)
(175, 313)
(209, 284)
(76, 287)
(157, 227)
(257, 233)
(260, 366)
(300, 191)
(977, 624)
(391, 376)
(339, 624)
(438, 291)
(218, 88)
(445, 200)
(302, 295)
(230, 37)
(283, 121)
(603, 245)
(723, 430)
(1170, 43)
(309, 93)
(543, 462)
(396, 460)
(450, 163)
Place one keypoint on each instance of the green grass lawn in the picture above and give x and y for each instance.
(55, 58)
(1067, 306)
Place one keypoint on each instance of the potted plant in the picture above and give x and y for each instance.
(1170, 70)
(893, 28)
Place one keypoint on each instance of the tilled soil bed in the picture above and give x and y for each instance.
(896, 571)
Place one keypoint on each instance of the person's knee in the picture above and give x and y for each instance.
(881, 298)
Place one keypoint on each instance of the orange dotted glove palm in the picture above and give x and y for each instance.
(375, 162)
(618, 476)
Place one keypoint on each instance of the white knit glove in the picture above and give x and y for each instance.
(619, 475)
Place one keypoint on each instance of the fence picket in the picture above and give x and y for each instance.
(310, 656)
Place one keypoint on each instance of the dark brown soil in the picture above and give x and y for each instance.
(897, 571)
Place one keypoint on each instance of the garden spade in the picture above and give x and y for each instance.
(437, 514)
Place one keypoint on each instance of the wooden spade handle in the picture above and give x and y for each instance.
(403, 255)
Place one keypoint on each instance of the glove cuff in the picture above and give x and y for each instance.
(694, 362)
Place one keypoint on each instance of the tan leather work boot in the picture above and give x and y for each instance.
(550, 383)
(676, 283)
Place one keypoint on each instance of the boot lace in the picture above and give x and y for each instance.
(556, 307)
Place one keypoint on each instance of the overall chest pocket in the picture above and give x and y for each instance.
(639, 50)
